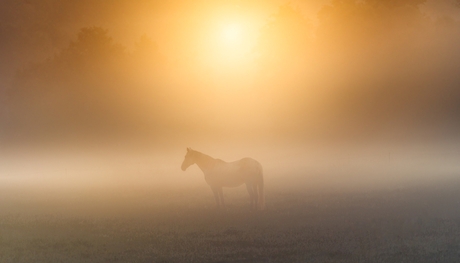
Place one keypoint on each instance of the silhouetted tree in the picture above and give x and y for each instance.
(355, 26)
(86, 62)
(389, 60)
(146, 59)
(146, 49)
(80, 86)
(394, 3)
(286, 37)
(93, 47)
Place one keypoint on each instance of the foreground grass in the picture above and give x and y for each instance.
(173, 226)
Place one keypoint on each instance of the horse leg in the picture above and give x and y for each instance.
(221, 194)
(216, 196)
(256, 196)
(251, 195)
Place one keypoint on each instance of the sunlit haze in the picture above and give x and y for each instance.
(232, 35)
(99, 101)
(281, 80)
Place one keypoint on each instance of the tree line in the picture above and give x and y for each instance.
(387, 60)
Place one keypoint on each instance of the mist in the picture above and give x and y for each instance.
(338, 100)
(332, 73)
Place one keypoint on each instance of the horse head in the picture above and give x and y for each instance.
(188, 160)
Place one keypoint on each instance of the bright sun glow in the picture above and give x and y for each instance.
(231, 34)
(227, 49)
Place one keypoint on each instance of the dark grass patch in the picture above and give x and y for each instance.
(295, 227)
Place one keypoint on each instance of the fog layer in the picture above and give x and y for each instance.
(344, 88)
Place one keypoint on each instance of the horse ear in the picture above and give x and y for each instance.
(188, 149)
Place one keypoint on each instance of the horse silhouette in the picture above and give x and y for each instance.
(219, 174)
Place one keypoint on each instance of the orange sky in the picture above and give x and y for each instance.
(356, 70)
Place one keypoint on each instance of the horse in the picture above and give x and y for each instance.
(219, 174)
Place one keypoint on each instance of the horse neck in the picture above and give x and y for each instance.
(205, 162)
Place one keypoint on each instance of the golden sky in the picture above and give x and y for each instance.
(237, 67)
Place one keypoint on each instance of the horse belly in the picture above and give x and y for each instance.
(226, 179)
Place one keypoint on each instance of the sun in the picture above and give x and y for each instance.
(232, 34)
(227, 46)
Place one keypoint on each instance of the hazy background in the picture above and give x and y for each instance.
(337, 94)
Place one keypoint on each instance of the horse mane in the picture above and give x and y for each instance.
(203, 156)
(205, 159)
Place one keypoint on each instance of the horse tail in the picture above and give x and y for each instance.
(260, 185)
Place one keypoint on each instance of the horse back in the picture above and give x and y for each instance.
(235, 173)
(249, 165)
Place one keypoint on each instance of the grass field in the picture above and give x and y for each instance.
(179, 224)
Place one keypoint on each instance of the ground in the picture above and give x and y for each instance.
(167, 224)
